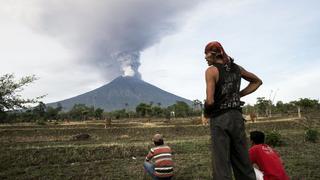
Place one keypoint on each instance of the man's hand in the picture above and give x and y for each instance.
(208, 109)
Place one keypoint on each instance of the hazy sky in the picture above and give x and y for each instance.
(77, 46)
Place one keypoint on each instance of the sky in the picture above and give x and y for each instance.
(77, 46)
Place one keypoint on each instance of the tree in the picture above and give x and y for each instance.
(40, 110)
(181, 109)
(156, 111)
(143, 109)
(80, 112)
(197, 104)
(248, 109)
(98, 113)
(263, 106)
(306, 103)
(117, 114)
(10, 88)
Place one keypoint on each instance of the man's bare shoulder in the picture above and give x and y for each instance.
(212, 70)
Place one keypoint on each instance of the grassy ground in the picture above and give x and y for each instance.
(29, 151)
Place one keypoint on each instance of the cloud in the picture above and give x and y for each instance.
(110, 35)
(274, 40)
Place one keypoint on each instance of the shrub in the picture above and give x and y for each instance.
(273, 138)
(311, 135)
(41, 122)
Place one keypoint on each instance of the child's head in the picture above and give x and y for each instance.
(257, 137)
(158, 139)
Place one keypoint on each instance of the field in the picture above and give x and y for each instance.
(30, 151)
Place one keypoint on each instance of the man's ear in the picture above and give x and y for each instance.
(252, 142)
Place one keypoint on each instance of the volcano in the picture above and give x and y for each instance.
(124, 92)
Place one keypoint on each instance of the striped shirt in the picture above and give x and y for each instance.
(162, 158)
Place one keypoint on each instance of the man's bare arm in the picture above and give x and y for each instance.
(254, 82)
(211, 78)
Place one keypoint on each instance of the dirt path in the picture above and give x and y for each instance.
(274, 120)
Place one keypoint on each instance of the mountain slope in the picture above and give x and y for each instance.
(122, 91)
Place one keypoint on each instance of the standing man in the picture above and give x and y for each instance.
(223, 106)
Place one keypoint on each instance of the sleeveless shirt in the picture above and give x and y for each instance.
(227, 89)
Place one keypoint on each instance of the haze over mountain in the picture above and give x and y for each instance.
(123, 92)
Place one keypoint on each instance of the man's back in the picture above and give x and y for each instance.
(162, 157)
(227, 88)
(268, 161)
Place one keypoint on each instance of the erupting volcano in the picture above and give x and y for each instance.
(123, 92)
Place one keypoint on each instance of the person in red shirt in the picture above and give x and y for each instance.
(267, 159)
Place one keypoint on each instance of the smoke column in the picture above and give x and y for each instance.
(109, 35)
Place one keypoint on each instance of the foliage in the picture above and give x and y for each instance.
(98, 113)
(311, 135)
(197, 104)
(144, 110)
(306, 103)
(154, 110)
(285, 107)
(247, 109)
(81, 112)
(9, 92)
(273, 138)
(157, 111)
(181, 109)
(118, 114)
(40, 111)
(53, 113)
(263, 106)
(41, 122)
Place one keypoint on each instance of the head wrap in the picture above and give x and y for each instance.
(216, 48)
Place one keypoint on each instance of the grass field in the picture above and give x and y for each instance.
(29, 151)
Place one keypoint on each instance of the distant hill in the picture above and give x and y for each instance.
(121, 91)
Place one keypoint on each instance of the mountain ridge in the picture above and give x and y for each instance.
(124, 92)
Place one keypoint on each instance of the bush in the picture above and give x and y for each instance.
(41, 122)
(273, 138)
(311, 135)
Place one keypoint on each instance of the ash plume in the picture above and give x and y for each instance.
(109, 35)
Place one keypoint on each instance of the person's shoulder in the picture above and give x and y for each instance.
(212, 70)
(165, 146)
(255, 147)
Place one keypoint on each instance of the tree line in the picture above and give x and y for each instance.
(15, 108)
(266, 108)
(81, 112)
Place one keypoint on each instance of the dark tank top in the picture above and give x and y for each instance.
(227, 88)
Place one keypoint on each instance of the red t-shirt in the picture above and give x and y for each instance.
(268, 161)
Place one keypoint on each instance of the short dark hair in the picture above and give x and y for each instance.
(257, 137)
(159, 142)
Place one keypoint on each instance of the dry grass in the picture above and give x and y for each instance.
(29, 151)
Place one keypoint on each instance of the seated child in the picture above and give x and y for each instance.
(158, 163)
